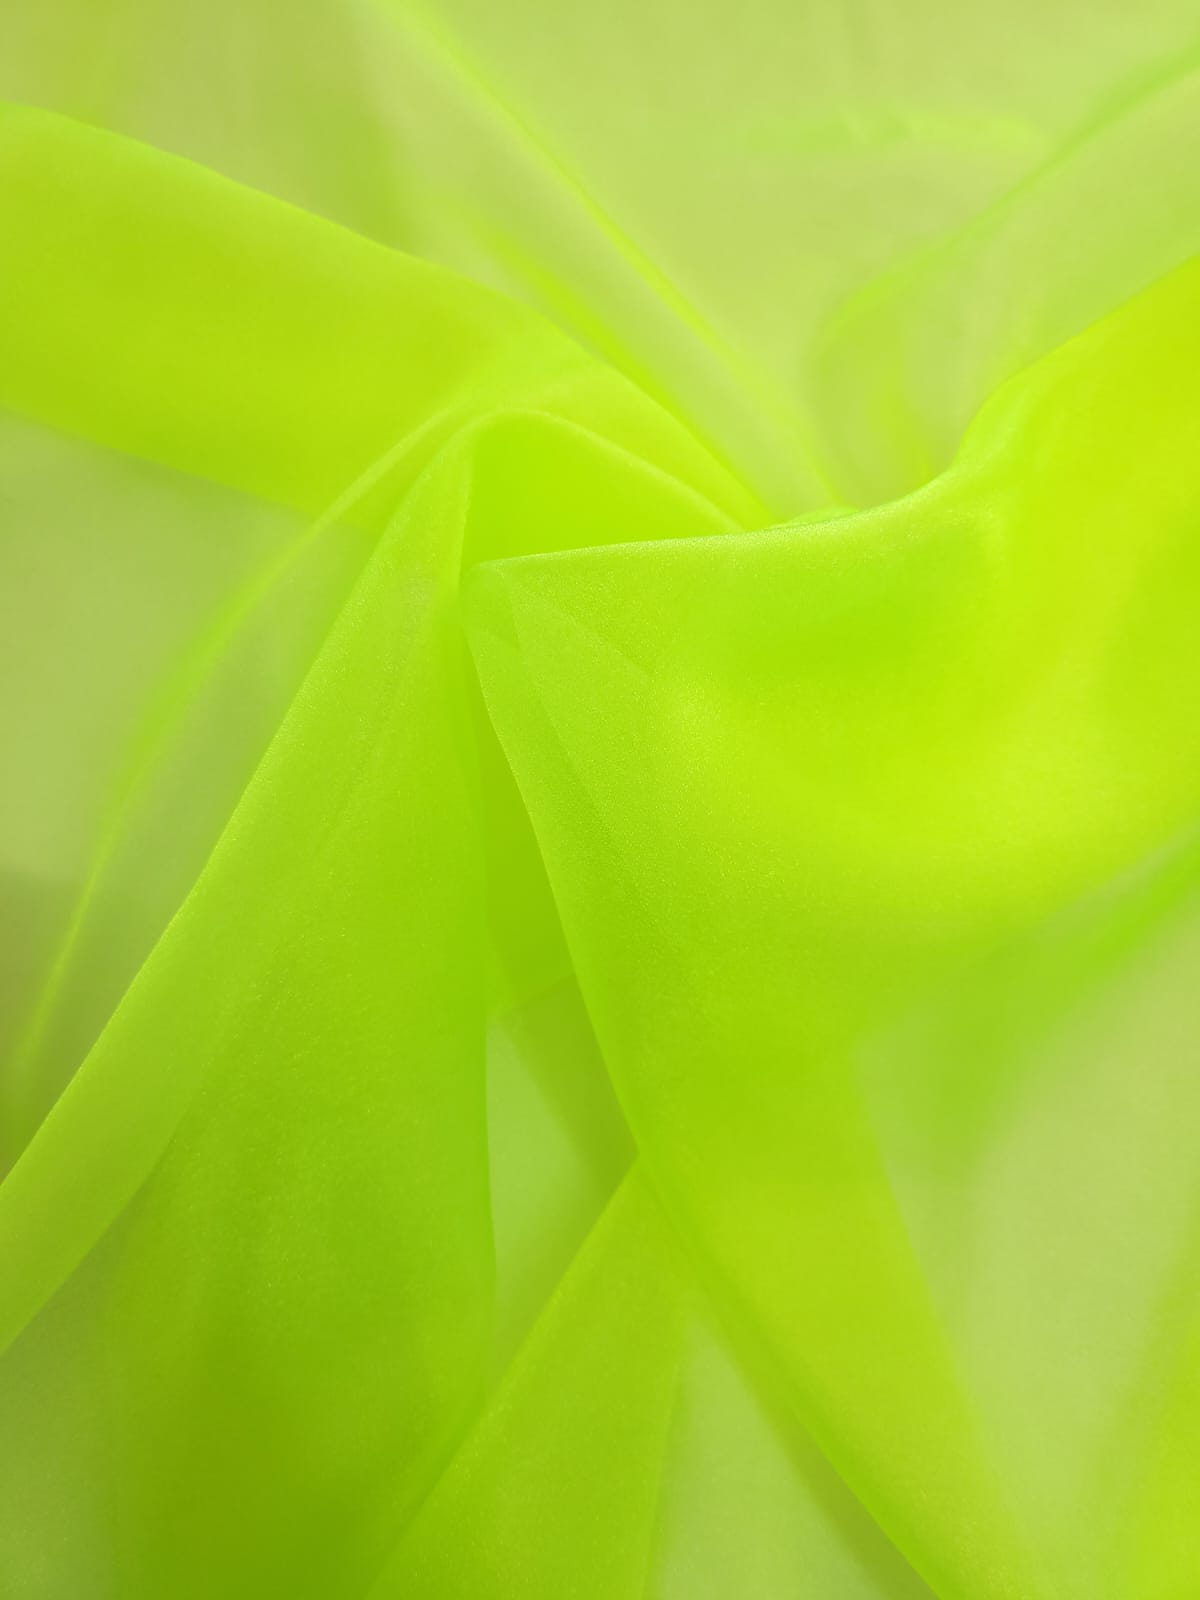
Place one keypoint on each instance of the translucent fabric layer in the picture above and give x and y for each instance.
(600, 835)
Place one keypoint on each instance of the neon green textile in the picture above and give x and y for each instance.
(600, 836)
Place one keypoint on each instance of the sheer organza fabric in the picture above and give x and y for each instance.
(599, 878)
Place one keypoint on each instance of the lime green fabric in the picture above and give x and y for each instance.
(600, 836)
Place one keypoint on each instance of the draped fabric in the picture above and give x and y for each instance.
(600, 824)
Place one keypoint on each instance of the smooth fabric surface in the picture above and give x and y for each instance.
(600, 826)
